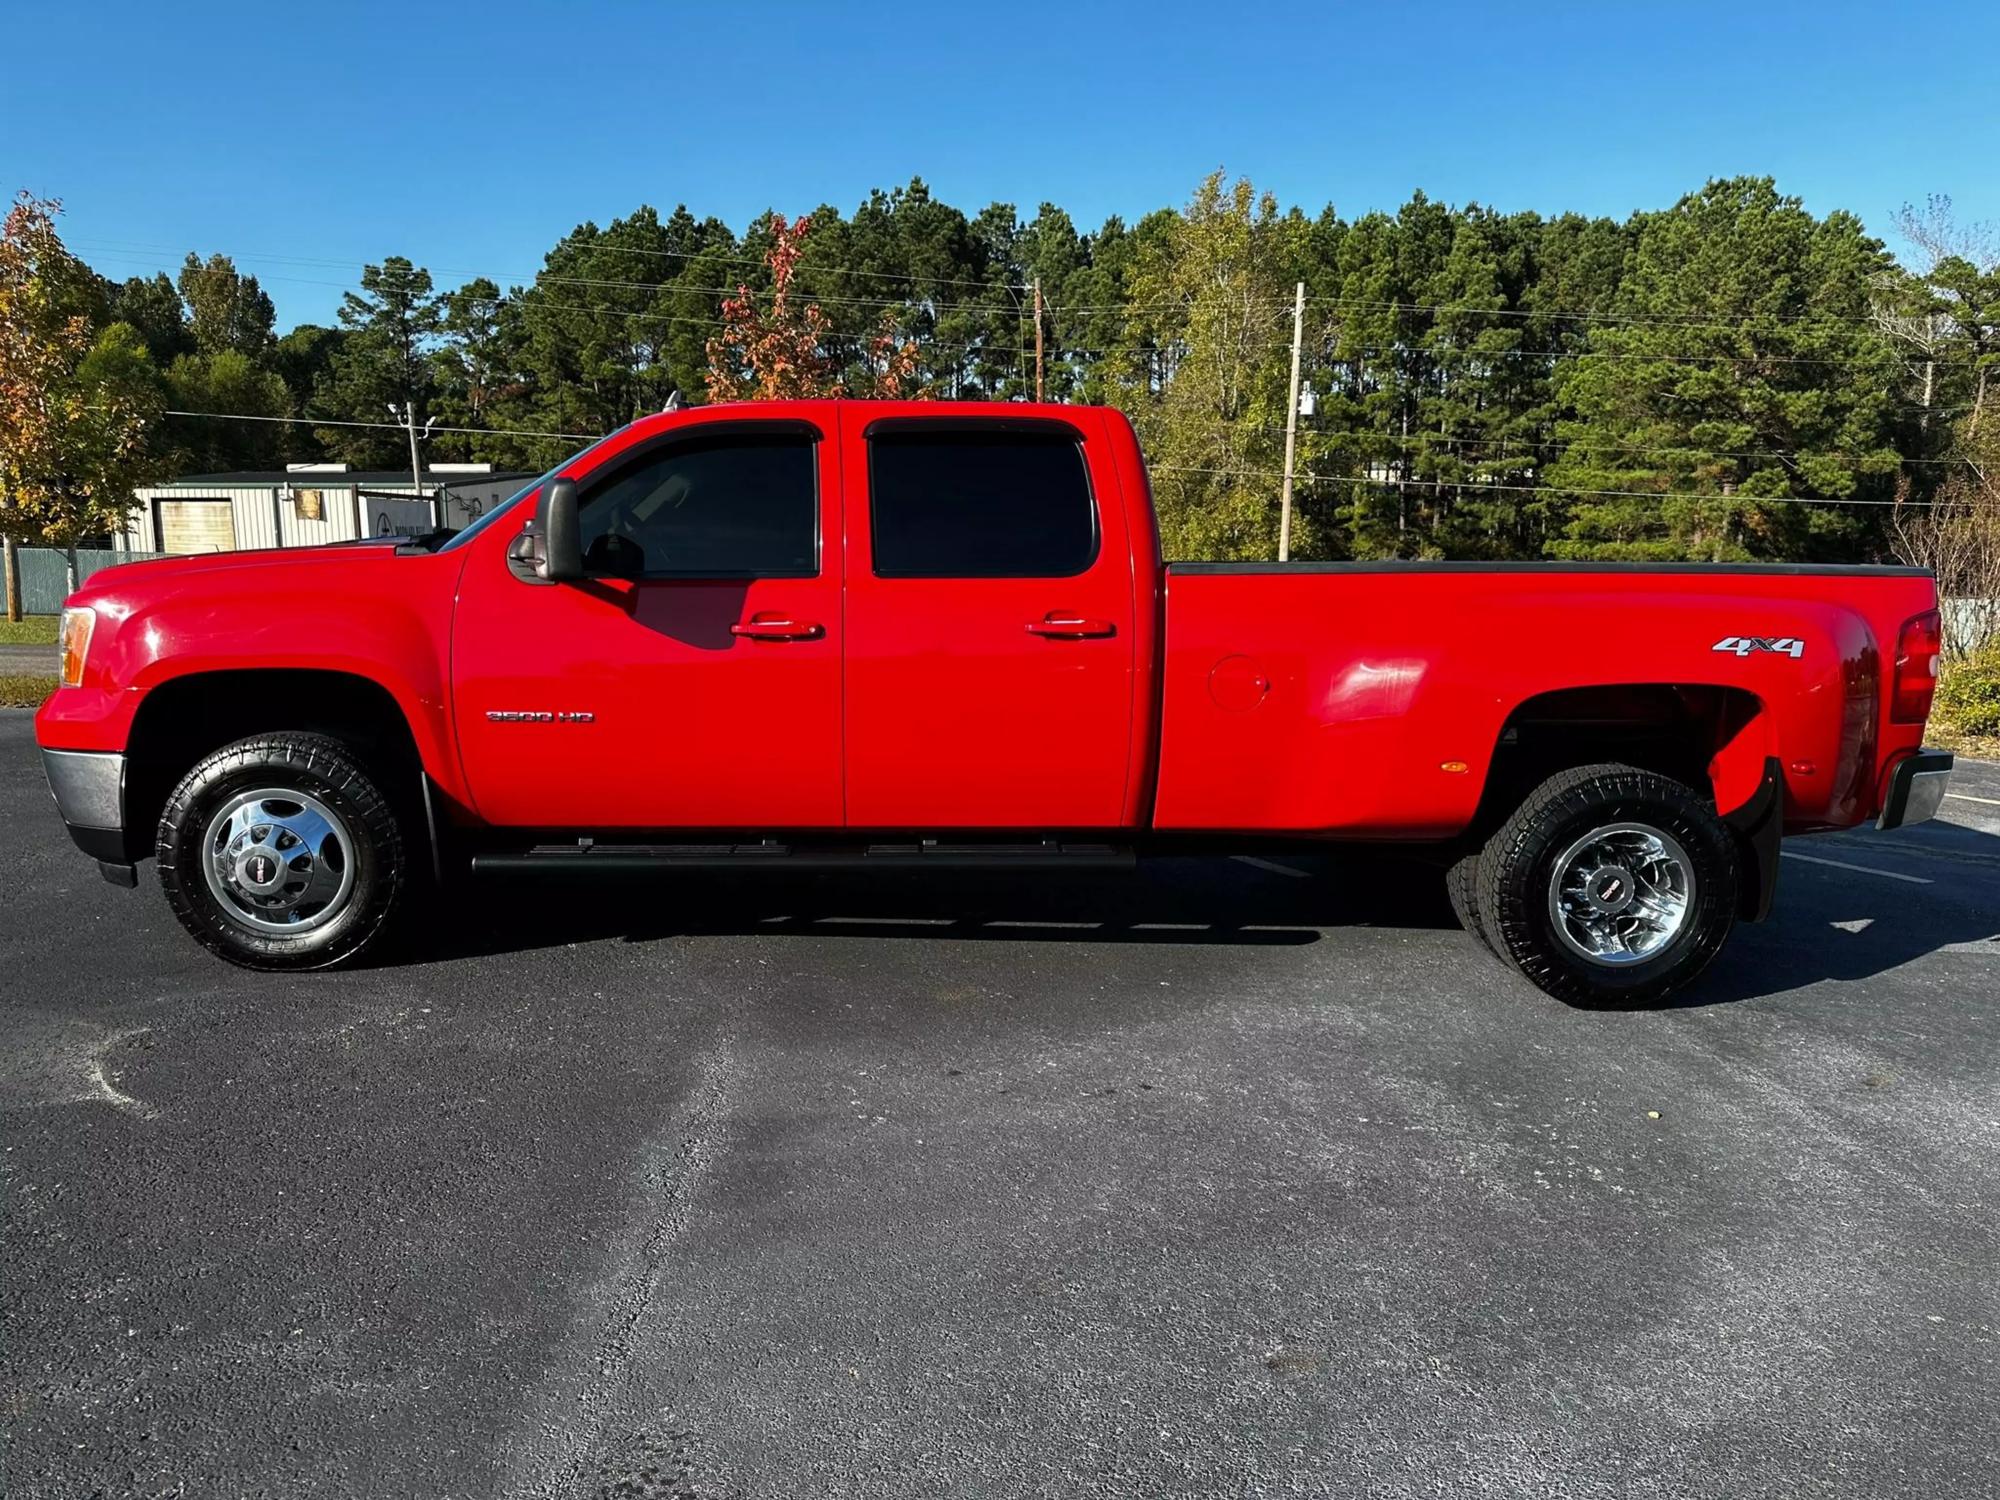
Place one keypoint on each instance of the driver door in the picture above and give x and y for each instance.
(692, 679)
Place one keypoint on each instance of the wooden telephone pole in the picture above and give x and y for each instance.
(1038, 338)
(1291, 428)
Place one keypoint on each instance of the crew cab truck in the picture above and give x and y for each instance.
(862, 634)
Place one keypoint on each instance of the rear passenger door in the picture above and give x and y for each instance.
(989, 661)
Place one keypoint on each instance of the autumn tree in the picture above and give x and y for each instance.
(75, 413)
(770, 348)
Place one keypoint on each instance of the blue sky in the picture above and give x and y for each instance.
(307, 139)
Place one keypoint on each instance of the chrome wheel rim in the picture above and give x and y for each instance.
(278, 861)
(1621, 894)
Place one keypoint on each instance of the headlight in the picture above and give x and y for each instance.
(77, 627)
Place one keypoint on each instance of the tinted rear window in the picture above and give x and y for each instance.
(970, 504)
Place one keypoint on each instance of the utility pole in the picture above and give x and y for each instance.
(1038, 338)
(407, 415)
(1291, 428)
(12, 548)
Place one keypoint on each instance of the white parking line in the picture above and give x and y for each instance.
(1841, 864)
(1272, 865)
(1968, 797)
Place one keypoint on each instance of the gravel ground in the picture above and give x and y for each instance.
(1230, 1179)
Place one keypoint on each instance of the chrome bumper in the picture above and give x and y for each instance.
(1916, 789)
(89, 788)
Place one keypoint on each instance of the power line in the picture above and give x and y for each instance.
(809, 269)
(1529, 489)
(128, 251)
(1385, 483)
(1508, 445)
(1553, 355)
(234, 416)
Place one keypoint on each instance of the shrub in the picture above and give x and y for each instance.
(1968, 694)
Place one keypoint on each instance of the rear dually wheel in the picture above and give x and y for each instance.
(1609, 885)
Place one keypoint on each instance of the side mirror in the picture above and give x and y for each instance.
(562, 541)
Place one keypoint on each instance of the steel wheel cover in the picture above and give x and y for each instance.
(278, 861)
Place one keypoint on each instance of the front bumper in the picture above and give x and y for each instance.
(89, 788)
(1916, 789)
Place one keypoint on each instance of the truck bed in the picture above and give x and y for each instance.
(1371, 699)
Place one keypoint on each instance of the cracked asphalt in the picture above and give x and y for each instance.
(1228, 1179)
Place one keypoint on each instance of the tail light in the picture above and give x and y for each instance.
(1917, 647)
(74, 635)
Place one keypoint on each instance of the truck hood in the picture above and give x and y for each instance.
(138, 579)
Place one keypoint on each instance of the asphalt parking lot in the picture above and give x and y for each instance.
(1236, 1178)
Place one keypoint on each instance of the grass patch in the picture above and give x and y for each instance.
(25, 689)
(34, 630)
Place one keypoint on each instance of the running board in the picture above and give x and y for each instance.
(928, 854)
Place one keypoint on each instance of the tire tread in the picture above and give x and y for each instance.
(331, 762)
(1508, 894)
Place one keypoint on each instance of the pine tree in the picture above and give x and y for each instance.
(1742, 377)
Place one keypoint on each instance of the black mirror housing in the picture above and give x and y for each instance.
(558, 530)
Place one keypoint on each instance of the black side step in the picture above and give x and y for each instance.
(928, 854)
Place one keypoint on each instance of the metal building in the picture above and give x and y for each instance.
(303, 505)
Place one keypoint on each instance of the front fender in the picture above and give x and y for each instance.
(376, 616)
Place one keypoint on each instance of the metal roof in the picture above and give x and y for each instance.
(337, 479)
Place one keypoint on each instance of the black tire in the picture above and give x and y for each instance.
(317, 767)
(1521, 859)
(1461, 884)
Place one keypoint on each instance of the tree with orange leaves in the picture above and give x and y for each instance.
(777, 351)
(74, 414)
(772, 353)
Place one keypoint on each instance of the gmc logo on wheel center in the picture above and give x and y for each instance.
(1745, 645)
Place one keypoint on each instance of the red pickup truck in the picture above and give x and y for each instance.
(843, 634)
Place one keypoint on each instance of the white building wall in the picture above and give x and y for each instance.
(260, 519)
(253, 519)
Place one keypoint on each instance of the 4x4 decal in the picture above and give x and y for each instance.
(1744, 645)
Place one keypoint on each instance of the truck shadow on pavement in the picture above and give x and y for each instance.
(1851, 907)
(1830, 923)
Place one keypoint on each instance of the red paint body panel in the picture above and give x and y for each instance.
(1278, 701)
(693, 726)
(958, 714)
(1378, 679)
(361, 610)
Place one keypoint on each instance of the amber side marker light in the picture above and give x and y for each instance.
(75, 633)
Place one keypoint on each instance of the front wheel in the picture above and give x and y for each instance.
(280, 852)
(1609, 885)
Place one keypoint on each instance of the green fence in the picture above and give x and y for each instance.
(44, 573)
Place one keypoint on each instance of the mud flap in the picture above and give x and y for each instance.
(1759, 824)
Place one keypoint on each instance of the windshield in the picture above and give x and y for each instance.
(461, 538)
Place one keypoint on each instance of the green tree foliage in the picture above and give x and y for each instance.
(1729, 377)
(385, 362)
(153, 306)
(1204, 391)
(226, 311)
(480, 385)
(1744, 374)
(227, 381)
